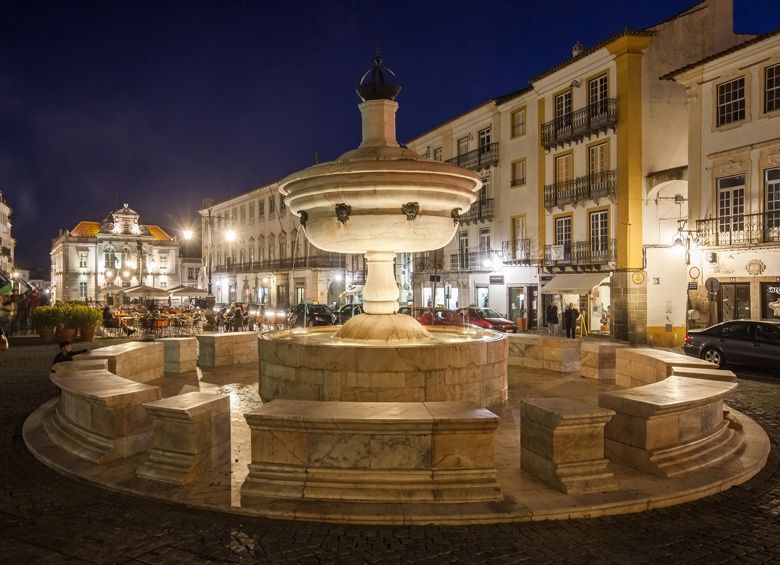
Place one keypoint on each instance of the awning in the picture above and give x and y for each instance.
(574, 283)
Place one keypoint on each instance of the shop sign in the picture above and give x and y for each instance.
(693, 286)
(496, 279)
(771, 301)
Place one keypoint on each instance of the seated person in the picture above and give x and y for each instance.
(66, 353)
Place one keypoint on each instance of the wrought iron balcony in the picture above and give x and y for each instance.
(593, 252)
(472, 261)
(480, 211)
(574, 126)
(356, 277)
(320, 261)
(516, 252)
(744, 229)
(481, 158)
(589, 187)
(429, 262)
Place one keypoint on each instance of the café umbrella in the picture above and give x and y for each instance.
(143, 291)
(189, 291)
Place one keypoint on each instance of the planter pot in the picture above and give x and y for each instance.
(68, 334)
(47, 334)
(522, 324)
(87, 333)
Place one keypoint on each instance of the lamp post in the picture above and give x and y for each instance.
(209, 220)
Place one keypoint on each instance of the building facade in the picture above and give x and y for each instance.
(7, 242)
(118, 251)
(585, 180)
(254, 251)
(734, 183)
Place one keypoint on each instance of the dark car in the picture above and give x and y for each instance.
(742, 342)
(487, 318)
(304, 314)
(347, 311)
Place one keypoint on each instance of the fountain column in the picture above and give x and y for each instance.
(380, 295)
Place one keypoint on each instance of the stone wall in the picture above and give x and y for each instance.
(629, 307)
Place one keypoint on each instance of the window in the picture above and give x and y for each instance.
(463, 145)
(563, 111)
(598, 159)
(734, 301)
(518, 247)
(484, 239)
(163, 263)
(261, 210)
(190, 273)
(282, 208)
(282, 246)
(772, 180)
(731, 208)
(437, 154)
(599, 233)
(272, 205)
(163, 284)
(242, 215)
(563, 231)
(109, 256)
(731, 101)
(82, 290)
(564, 168)
(271, 248)
(770, 301)
(738, 330)
(772, 88)
(484, 138)
(82, 260)
(463, 249)
(518, 173)
(251, 209)
(767, 333)
(518, 122)
(235, 215)
(597, 96)
(261, 249)
(484, 192)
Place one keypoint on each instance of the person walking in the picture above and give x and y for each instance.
(570, 317)
(552, 318)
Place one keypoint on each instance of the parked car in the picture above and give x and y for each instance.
(449, 318)
(742, 342)
(487, 318)
(347, 311)
(305, 314)
(426, 316)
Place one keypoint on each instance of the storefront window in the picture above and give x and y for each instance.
(770, 301)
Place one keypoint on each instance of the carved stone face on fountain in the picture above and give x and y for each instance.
(380, 199)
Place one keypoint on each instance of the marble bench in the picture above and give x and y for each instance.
(180, 354)
(135, 360)
(551, 353)
(637, 366)
(232, 348)
(671, 427)
(562, 443)
(100, 416)
(80, 364)
(190, 434)
(371, 452)
(705, 373)
(598, 360)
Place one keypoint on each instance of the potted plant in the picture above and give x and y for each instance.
(70, 320)
(45, 320)
(89, 319)
(522, 321)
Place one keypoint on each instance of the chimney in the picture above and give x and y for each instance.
(577, 49)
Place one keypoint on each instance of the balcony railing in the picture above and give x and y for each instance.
(481, 158)
(593, 252)
(745, 229)
(516, 252)
(480, 211)
(571, 127)
(589, 187)
(429, 262)
(474, 261)
(322, 261)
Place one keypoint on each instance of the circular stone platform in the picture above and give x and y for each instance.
(454, 364)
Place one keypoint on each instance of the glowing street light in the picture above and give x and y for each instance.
(230, 235)
(187, 234)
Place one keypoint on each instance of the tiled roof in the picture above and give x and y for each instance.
(85, 229)
(714, 56)
(158, 233)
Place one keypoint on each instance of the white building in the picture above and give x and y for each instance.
(7, 242)
(253, 251)
(734, 182)
(120, 250)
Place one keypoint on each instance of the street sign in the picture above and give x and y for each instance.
(712, 284)
(435, 278)
(693, 286)
(496, 279)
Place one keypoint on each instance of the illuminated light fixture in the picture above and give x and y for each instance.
(187, 234)
(125, 274)
(338, 277)
(230, 235)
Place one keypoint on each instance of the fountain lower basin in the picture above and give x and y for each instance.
(454, 364)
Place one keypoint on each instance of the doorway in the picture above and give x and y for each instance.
(734, 301)
(483, 297)
(517, 302)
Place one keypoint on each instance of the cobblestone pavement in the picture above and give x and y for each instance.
(45, 517)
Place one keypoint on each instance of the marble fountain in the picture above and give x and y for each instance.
(383, 420)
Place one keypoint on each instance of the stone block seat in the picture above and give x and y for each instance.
(552, 353)
(232, 348)
(705, 373)
(371, 452)
(79, 364)
(100, 416)
(637, 366)
(190, 434)
(598, 360)
(562, 443)
(138, 361)
(180, 354)
(671, 427)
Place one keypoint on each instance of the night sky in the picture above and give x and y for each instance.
(161, 104)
